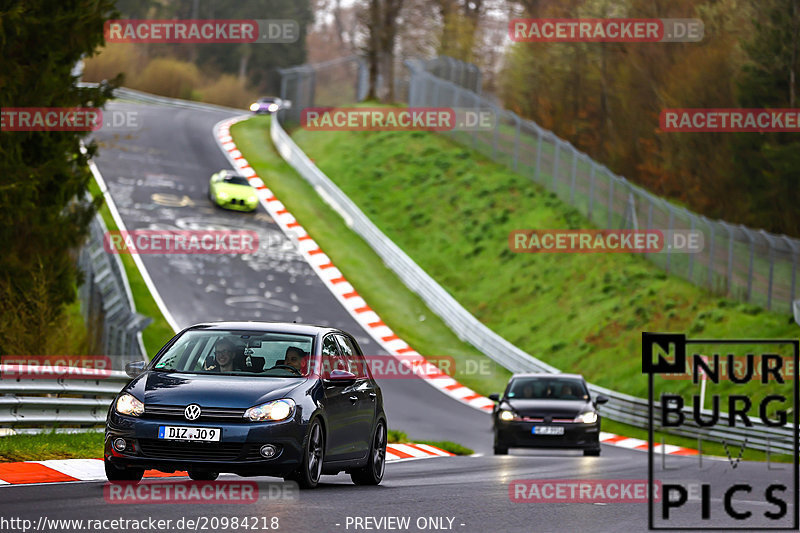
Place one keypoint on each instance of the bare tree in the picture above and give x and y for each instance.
(382, 22)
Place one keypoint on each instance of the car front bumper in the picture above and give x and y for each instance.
(519, 434)
(237, 204)
(237, 452)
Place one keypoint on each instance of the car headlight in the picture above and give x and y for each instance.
(254, 106)
(506, 415)
(275, 410)
(128, 405)
(587, 418)
(223, 196)
(272, 108)
(252, 200)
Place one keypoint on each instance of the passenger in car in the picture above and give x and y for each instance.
(295, 357)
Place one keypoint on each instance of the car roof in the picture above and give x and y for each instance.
(545, 375)
(282, 327)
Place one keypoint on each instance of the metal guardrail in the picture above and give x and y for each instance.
(621, 407)
(41, 403)
(106, 301)
(147, 98)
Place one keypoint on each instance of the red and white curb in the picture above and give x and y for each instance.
(641, 445)
(67, 470)
(408, 451)
(338, 285)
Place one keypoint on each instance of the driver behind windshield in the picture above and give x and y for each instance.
(222, 360)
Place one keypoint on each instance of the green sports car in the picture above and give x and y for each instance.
(232, 191)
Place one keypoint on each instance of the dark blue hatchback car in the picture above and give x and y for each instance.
(250, 398)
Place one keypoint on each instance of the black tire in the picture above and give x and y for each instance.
(114, 473)
(200, 475)
(499, 449)
(310, 470)
(591, 453)
(372, 472)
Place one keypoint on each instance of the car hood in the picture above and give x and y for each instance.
(235, 392)
(239, 191)
(552, 408)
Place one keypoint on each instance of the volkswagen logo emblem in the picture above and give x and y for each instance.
(192, 412)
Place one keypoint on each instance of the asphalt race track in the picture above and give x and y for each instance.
(158, 177)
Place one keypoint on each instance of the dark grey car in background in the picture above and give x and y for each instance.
(546, 411)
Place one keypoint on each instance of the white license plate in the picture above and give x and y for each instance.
(548, 430)
(189, 433)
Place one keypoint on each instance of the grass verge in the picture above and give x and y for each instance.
(396, 436)
(51, 446)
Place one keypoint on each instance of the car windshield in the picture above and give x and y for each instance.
(236, 180)
(272, 354)
(548, 389)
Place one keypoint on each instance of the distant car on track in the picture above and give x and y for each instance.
(546, 411)
(250, 398)
(231, 190)
(268, 105)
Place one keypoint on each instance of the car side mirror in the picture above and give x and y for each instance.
(338, 376)
(494, 397)
(600, 400)
(135, 368)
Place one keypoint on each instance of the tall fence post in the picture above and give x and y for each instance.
(771, 255)
(691, 255)
(517, 132)
(540, 135)
(495, 132)
(476, 101)
(750, 262)
(794, 250)
(574, 176)
(730, 257)
(556, 157)
(610, 198)
(670, 225)
(592, 166)
(710, 278)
